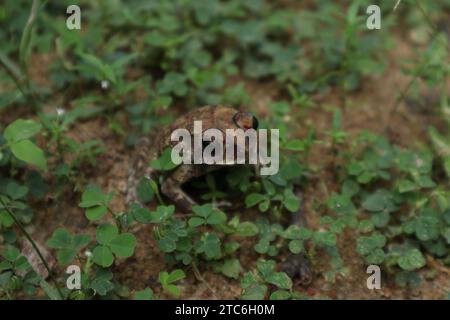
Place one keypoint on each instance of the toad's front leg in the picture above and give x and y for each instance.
(172, 186)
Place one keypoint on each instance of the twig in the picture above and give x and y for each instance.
(199, 277)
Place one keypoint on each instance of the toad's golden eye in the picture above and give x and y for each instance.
(245, 120)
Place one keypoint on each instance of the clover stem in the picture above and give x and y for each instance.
(160, 199)
(59, 148)
(155, 189)
(199, 277)
(158, 195)
(116, 218)
(419, 70)
(33, 243)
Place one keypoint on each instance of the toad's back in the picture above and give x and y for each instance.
(217, 116)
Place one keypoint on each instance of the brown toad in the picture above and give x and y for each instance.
(217, 117)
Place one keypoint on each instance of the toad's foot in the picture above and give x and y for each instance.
(171, 187)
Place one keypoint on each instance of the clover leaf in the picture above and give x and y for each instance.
(326, 238)
(255, 292)
(381, 200)
(231, 268)
(95, 202)
(253, 199)
(103, 256)
(173, 83)
(112, 243)
(67, 245)
(280, 279)
(160, 215)
(146, 294)
(164, 162)
(427, 227)
(17, 136)
(207, 214)
(247, 229)
(291, 201)
(412, 259)
(167, 281)
(365, 245)
(102, 283)
(209, 244)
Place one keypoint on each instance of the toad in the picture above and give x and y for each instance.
(218, 117)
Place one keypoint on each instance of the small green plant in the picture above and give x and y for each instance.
(256, 284)
(207, 215)
(68, 246)
(110, 244)
(16, 274)
(146, 294)
(168, 284)
(95, 202)
(111, 241)
(168, 280)
(18, 139)
(180, 239)
(409, 206)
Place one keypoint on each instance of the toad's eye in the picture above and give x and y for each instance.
(245, 120)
